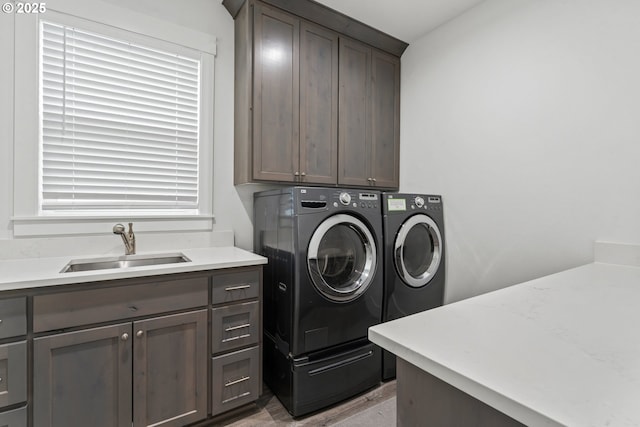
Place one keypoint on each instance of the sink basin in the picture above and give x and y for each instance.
(123, 262)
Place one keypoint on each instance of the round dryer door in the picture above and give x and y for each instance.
(418, 250)
(342, 258)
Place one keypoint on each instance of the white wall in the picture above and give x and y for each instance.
(525, 116)
(6, 122)
(232, 206)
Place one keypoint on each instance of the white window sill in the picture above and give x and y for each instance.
(45, 226)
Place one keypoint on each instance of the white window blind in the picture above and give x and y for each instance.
(119, 124)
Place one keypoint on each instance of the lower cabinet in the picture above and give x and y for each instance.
(141, 373)
(235, 326)
(13, 373)
(83, 378)
(13, 362)
(236, 379)
(170, 370)
(14, 418)
(236, 333)
(162, 351)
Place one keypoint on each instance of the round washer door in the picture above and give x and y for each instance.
(342, 258)
(418, 250)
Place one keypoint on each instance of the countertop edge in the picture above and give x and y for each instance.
(510, 407)
(202, 260)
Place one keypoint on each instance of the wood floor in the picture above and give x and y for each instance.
(268, 411)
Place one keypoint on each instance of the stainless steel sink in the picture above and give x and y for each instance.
(123, 262)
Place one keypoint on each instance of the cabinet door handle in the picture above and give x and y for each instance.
(139, 334)
(374, 180)
(0, 322)
(235, 328)
(125, 336)
(238, 381)
(231, 399)
(239, 337)
(237, 288)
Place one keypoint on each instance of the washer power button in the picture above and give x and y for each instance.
(419, 201)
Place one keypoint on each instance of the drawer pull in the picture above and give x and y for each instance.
(0, 321)
(231, 399)
(238, 381)
(0, 379)
(236, 338)
(235, 328)
(237, 288)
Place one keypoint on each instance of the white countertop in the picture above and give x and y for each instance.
(559, 350)
(40, 272)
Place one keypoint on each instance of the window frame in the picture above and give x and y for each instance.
(28, 218)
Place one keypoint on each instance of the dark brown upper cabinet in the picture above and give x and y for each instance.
(318, 105)
(276, 95)
(313, 106)
(369, 116)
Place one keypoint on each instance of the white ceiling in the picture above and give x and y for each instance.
(406, 20)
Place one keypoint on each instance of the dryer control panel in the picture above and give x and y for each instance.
(405, 203)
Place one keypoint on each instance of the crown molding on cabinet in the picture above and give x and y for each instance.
(332, 19)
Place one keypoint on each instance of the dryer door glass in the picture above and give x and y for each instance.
(418, 250)
(342, 258)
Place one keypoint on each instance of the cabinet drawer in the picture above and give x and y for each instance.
(13, 317)
(63, 310)
(235, 285)
(235, 379)
(15, 418)
(235, 326)
(13, 373)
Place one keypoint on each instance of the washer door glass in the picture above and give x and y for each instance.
(418, 250)
(341, 258)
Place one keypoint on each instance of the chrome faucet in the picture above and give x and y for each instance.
(128, 238)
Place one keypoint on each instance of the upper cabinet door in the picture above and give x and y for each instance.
(385, 120)
(318, 105)
(276, 88)
(369, 116)
(354, 130)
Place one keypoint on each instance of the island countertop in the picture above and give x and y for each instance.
(560, 350)
(29, 273)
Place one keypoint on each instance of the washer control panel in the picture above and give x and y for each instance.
(368, 200)
(323, 198)
(357, 200)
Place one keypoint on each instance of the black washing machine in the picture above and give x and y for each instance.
(323, 289)
(414, 264)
